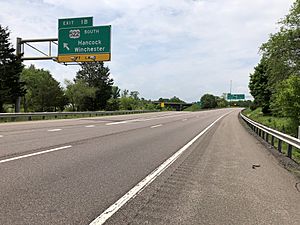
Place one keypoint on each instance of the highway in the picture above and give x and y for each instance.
(153, 168)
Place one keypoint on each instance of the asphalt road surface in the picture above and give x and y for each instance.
(75, 171)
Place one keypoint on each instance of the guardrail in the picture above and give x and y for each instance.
(270, 135)
(48, 115)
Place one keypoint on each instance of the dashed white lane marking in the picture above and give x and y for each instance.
(184, 120)
(155, 126)
(121, 122)
(1, 136)
(88, 126)
(34, 154)
(141, 120)
(54, 130)
(147, 180)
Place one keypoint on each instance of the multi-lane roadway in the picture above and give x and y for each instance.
(154, 168)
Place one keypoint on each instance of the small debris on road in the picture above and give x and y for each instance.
(255, 165)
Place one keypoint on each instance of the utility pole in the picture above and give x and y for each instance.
(230, 91)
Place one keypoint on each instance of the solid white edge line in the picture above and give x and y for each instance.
(34, 154)
(147, 180)
(155, 126)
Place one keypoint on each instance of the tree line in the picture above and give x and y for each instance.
(92, 89)
(275, 82)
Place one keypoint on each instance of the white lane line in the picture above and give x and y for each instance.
(1, 136)
(88, 126)
(142, 120)
(121, 122)
(159, 125)
(184, 120)
(36, 153)
(54, 130)
(147, 180)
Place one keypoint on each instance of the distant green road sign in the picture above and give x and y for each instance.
(84, 43)
(235, 96)
(75, 22)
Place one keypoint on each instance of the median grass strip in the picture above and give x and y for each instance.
(281, 124)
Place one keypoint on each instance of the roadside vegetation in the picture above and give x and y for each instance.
(281, 124)
(275, 82)
(92, 89)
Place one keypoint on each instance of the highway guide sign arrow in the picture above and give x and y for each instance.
(83, 43)
(66, 46)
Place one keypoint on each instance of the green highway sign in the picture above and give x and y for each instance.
(75, 22)
(80, 41)
(235, 96)
(84, 41)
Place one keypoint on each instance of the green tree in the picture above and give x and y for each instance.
(176, 99)
(259, 86)
(282, 49)
(135, 95)
(173, 99)
(208, 101)
(10, 70)
(221, 102)
(286, 101)
(130, 100)
(113, 104)
(44, 93)
(115, 92)
(77, 92)
(96, 75)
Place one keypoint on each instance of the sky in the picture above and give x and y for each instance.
(165, 48)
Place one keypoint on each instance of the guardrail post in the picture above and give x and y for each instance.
(289, 152)
(279, 145)
(299, 132)
(272, 141)
(267, 137)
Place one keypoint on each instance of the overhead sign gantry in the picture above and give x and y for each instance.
(78, 41)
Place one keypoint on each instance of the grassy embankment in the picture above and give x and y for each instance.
(281, 124)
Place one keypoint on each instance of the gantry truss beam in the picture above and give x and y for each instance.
(21, 43)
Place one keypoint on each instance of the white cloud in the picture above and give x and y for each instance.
(162, 48)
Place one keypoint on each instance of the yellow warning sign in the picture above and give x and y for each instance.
(162, 104)
(84, 58)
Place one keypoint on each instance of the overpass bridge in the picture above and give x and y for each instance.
(179, 106)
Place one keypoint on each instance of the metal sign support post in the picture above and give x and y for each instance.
(20, 53)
